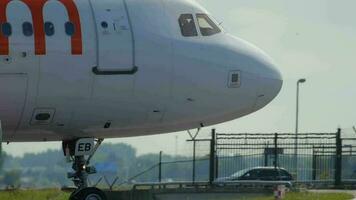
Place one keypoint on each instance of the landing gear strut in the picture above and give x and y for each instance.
(80, 152)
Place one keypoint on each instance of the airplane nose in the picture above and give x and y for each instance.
(267, 79)
(270, 84)
(269, 89)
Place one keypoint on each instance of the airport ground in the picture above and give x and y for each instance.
(59, 195)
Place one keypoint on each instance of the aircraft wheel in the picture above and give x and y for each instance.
(90, 193)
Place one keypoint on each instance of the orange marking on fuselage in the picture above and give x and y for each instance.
(36, 8)
(4, 41)
(76, 39)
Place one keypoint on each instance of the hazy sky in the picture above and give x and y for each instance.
(315, 40)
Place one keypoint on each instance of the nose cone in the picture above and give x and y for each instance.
(269, 89)
(266, 80)
(270, 80)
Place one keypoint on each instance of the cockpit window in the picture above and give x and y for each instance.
(187, 25)
(207, 26)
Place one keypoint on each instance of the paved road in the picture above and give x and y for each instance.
(212, 196)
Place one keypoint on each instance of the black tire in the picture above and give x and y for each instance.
(90, 193)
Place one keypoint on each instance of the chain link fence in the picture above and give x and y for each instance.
(309, 157)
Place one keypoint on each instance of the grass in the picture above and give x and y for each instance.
(313, 196)
(58, 195)
(34, 195)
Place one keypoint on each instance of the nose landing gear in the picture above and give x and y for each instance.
(80, 152)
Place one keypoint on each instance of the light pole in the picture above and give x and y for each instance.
(300, 81)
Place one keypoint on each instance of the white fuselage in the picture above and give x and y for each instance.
(124, 70)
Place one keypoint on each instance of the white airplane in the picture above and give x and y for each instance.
(75, 70)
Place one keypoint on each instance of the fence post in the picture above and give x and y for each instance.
(275, 150)
(314, 164)
(338, 159)
(265, 156)
(212, 157)
(194, 158)
(160, 167)
(216, 163)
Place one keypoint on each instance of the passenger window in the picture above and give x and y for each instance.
(69, 28)
(187, 25)
(252, 174)
(284, 173)
(104, 24)
(265, 173)
(27, 29)
(49, 28)
(207, 26)
(6, 29)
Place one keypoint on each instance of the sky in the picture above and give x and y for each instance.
(307, 39)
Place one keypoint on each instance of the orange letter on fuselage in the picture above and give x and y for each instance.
(73, 14)
(36, 8)
(4, 41)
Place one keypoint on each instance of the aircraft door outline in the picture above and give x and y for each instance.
(113, 24)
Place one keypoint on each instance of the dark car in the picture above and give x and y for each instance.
(260, 174)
